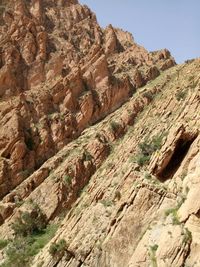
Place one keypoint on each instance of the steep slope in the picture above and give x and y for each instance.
(60, 72)
(129, 215)
(124, 191)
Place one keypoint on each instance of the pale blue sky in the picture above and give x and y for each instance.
(155, 24)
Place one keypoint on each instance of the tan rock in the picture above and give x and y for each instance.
(73, 120)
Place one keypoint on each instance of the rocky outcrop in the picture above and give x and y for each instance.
(119, 212)
(60, 72)
(102, 136)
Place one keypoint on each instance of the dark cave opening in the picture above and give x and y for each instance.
(180, 152)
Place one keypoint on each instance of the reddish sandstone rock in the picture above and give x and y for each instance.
(65, 73)
(73, 117)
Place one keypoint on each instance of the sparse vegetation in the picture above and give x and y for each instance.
(173, 212)
(107, 203)
(181, 200)
(3, 243)
(87, 156)
(181, 95)
(117, 195)
(183, 175)
(142, 159)
(58, 249)
(148, 95)
(147, 148)
(29, 222)
(188, 61)
(101, 138)
(17, 254)
(19, 203)
(147, 176)
(114, 126)
(20, 250)
(187, 236)
(67, 179)
(25, 173)
(30, 235)
(152, 254)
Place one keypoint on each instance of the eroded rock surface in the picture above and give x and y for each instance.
(60, 72)
(102, 135)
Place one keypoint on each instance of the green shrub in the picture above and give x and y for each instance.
(183, 175)
(187, 236)
(142, 159)
(173, 212)
(154, 247)
(58, 248)
(181, 95)
(67, 179)
(41, 239)
(30, 235)
(106, 203)
(29, 222)
(20, 250)
(114, 126)
(17, 255)
(25, 173)
(152, 254)
(87, 156)
(147, 176)
(19, 203)
(148, 95)
(147, 148)
(3, 243)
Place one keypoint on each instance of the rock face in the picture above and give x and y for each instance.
(80, 138)
(59, 73)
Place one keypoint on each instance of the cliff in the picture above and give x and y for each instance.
(102, 136)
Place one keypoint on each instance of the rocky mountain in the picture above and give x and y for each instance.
(99, 144)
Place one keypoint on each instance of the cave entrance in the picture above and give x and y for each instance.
(182, 147)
